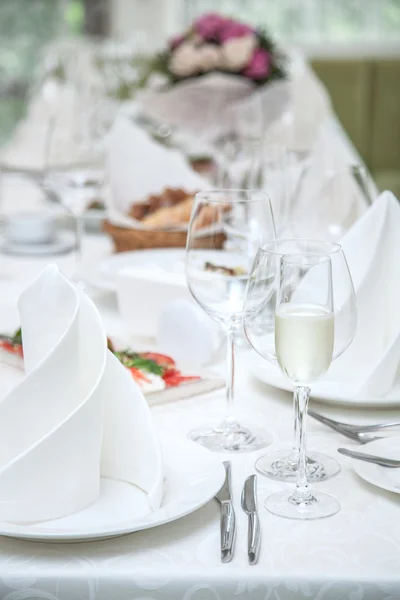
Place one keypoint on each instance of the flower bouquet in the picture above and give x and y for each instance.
(217, 43)
(215, 63)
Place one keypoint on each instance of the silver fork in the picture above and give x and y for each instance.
(344, 429)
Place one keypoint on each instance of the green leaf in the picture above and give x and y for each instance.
(17, 337)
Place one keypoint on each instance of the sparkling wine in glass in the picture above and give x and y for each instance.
(260, 324)
(225, 232)
(304, 342)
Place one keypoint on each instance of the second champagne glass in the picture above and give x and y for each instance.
(226, 229)
(304, 343)
(259, 323)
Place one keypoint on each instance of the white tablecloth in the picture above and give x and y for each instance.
(354, 555)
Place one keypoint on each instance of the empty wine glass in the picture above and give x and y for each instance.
(259, 325)
(225, 231)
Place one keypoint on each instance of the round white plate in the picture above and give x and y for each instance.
(332, 392)
(383, 477)
(64, 242)
(192, 477)
(103, 276)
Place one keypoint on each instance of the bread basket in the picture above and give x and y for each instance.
(126, 239)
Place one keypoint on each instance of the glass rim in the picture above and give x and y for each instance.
(267, 248)
(205, 195)
(296, 258)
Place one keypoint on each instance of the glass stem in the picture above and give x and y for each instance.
(302, 493)
(230, 421)
(294, 458)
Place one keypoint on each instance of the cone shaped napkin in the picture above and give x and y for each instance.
(372, 245)
(139, 167)
(76, 416)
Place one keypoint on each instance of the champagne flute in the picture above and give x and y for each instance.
(304, 343)
(225, 231)
(259, 324)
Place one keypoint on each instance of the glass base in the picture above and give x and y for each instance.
(282, 466)
(231, 436)
(318, 506)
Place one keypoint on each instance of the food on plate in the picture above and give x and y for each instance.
(233, 272)
(152, 371)
(14, 344)
(170, 208)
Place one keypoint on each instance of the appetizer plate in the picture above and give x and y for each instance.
(329, 391)
(387, 479)
(103, 276)
(192, 477)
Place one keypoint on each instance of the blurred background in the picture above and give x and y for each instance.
(353, 46)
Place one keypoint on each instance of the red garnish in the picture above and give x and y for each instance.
(138, 375)
(161, 359)
(173, 378)
(12, 348)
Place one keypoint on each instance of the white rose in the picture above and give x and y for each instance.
(185, 60)
(210, 57)
(238, 51)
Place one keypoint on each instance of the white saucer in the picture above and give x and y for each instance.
(383, 477)
(329, 391)
(64, 242)
(192, 477)
(103, 276)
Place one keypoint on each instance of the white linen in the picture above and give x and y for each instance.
(370, 365)
(197, 106)
(139, 167)
(351, 555)
(76, 415)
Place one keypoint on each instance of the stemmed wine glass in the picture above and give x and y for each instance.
(259, 324)
(302, 326)
(226, 229)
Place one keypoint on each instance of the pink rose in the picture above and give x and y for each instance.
(176, 41)
(259, 66)
(209, 26)
(233, 29)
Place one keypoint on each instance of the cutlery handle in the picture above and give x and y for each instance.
(253, 538)
(371, 458)
(228, 527)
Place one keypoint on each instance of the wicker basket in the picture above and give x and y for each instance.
(138, 239)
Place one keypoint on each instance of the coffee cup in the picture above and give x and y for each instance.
(31, 228)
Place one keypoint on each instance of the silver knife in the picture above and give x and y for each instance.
(228, 519)
(249, 505)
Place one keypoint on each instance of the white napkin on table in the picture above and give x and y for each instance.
(76, 416)
(139, 167)
(371, 246)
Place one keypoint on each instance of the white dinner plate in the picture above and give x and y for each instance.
(103, 276)
(193, 476)
(330, 391)
(383, 477)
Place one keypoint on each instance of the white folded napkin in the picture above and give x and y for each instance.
(77, 416)
(139, 167)
(371, 246)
